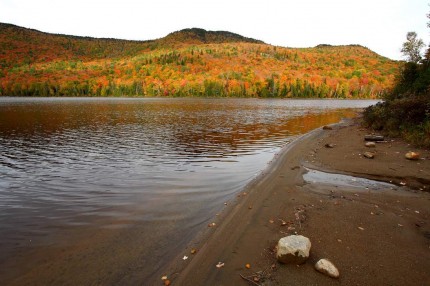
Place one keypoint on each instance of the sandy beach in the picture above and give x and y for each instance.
(375, 233)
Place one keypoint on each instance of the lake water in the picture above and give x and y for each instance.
(116, 187)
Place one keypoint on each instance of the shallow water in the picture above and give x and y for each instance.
(340, 180)
(67, 164)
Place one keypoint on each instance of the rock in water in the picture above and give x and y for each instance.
(369, 155)
(412, 155)
(326, 267)
(373, 137)
(370, 144)
(293, 249)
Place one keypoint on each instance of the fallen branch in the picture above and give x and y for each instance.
(249, 280)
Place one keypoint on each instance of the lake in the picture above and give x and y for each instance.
(108, 190)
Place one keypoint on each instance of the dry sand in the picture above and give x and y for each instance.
(377, 235)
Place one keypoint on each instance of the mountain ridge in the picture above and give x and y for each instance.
(189, 62)
(193, 30)
(207, 36)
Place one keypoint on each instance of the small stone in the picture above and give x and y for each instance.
(167, 283)
(329, 145)
(326, 127)
(412, 156)
(369, 155)
(326, 267)
(293, 249)
(370, 144)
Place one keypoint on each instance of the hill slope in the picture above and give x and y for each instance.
(190, 62)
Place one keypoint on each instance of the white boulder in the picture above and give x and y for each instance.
(293, 249)
(326, 267)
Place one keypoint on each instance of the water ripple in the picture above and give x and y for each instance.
(67, 161)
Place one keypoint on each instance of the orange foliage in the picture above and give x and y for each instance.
(186, 63)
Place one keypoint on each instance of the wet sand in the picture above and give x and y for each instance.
(374, 235)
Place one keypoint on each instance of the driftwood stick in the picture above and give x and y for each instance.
(373, 137)
(249, 280)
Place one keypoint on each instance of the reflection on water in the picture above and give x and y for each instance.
(74, 162)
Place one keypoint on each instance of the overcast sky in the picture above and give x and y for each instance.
(380, 25)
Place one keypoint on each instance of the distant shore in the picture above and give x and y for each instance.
(377, 235)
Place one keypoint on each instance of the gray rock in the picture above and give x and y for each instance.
(293, 249)
(326, 267)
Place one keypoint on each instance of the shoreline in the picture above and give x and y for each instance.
(279, 202)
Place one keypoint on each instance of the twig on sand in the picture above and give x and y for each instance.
(249, 280)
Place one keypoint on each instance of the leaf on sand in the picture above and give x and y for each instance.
(219, 265)
(167, 283)
(360, 228)
(283, 222)
(248, 266)
(211, 224)
(193, 251)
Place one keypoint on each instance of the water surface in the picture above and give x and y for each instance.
(137, 172)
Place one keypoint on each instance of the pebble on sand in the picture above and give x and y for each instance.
(412, 155)
(370, 144)
(369, 155)
(326, 267)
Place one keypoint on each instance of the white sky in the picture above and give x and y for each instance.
(380, 25)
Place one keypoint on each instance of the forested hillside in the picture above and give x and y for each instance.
(191, 62)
